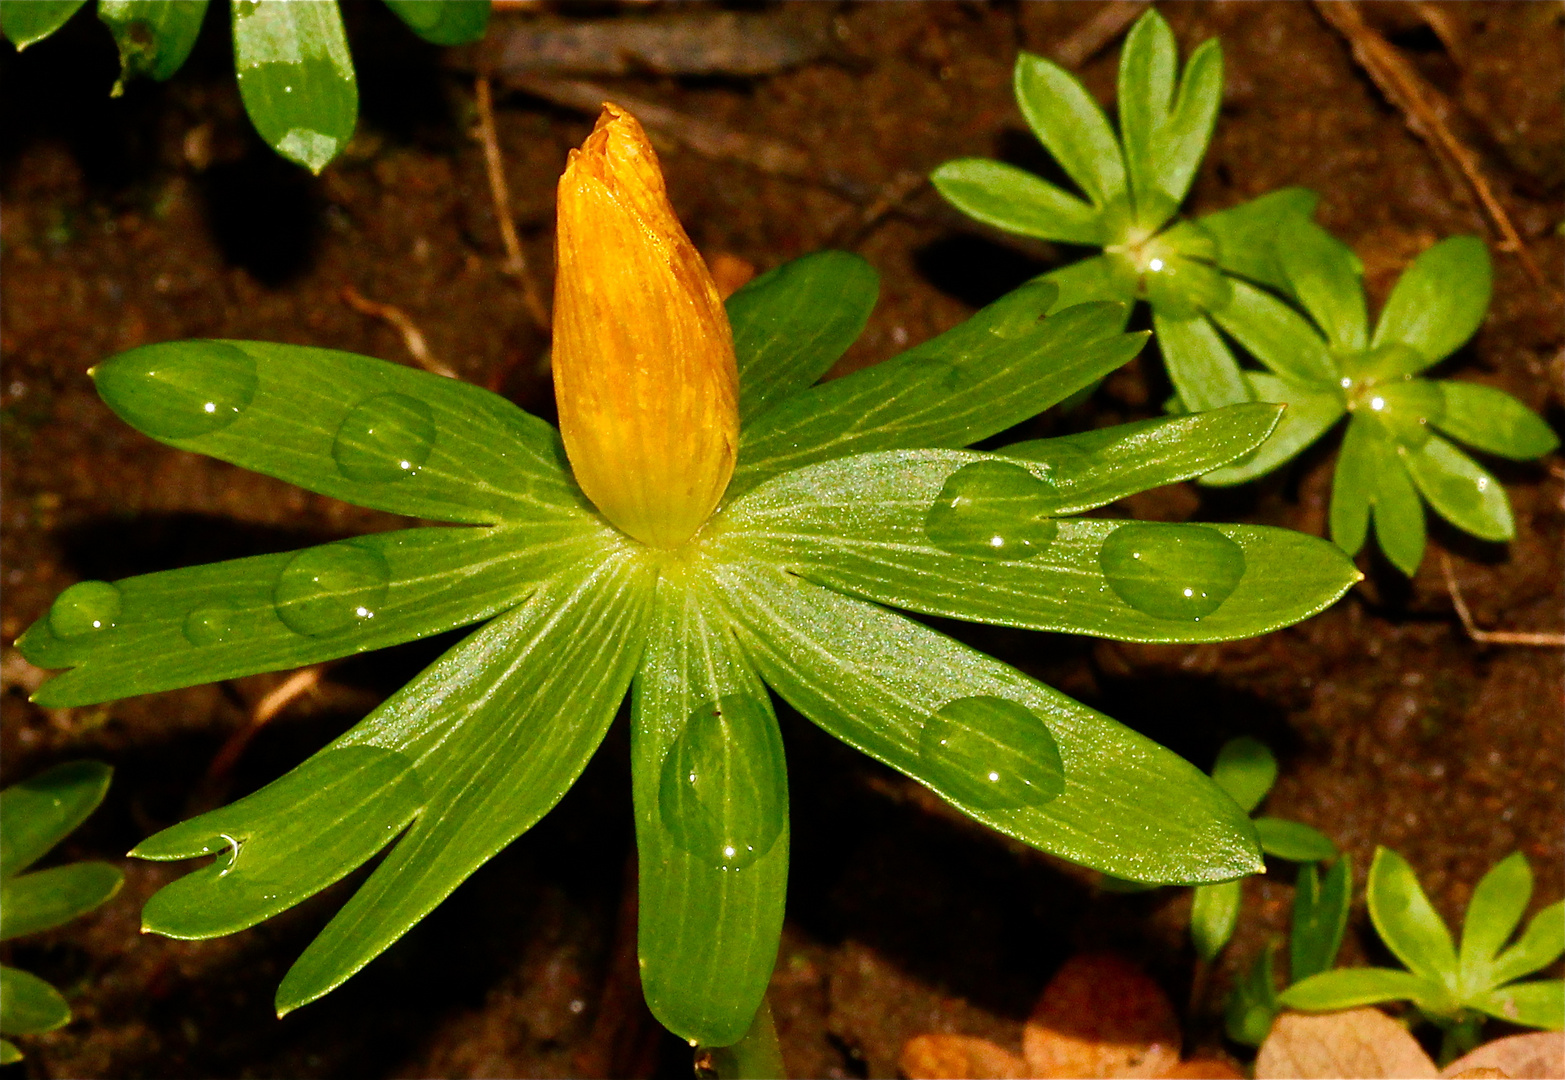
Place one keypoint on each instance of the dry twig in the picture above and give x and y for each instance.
(1424, 108)
(1493, 637)
(500, 193)
(1094, 35)
(412, 336)
(288, 691)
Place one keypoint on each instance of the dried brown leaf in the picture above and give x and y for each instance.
(1102, 1016)
(1538, 1055)
(1359, 1044)
(958, 1057)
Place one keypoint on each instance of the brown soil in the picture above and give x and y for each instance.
(160, 216)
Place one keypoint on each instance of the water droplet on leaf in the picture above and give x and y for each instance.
(83, 608)
(331, 588)
(992, 510)
(723, 793)
(1171, 571)
(991, 753)
(209, 625)
(384, 438)
(178, 391)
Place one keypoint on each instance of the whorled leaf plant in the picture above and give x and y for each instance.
(1332, 364)
(1131, 187)
(707, 527)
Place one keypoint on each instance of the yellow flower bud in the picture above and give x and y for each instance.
(644, 371)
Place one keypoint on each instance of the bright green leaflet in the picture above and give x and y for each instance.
(296, 77)
(1244, 234)
(29, 21)
(711, 794)
(1460, 490)
(154, 36)
(1308, 416)
(1440, 300)
(1494, 422)
(1246, 769)
(28, 1005)
(1214, 912)
(1252, 1006)
(36, 814)
(478, 747)
(444, 22)
(46, 898)
(1499, 901)
(1293, 840)
(1320, 917)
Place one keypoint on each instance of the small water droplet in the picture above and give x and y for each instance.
(723, 792)
(1171, 571)
(209, 625)
(384, 438)
(83, 608)
(992, 510)
(991, 753)
(331, 588)
(179, 390)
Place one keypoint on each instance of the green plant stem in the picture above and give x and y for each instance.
(757, 1056)
(1459, 1038)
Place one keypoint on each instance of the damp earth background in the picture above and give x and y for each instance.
(160, 216)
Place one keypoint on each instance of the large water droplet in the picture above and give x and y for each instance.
(331, 588)
(83, 608)
(993, 510)
(991, 753)
(723, 792)
(1171, 571)
(384, 438)
(178, 390)
(209, 625)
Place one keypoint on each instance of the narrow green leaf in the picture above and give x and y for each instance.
(1538, 1004)
(29, 21)
(1493, 421)
(283, 844)
(1353, 486)
(1148, 66)
(1106, 464)
(1203, 371)
(959, 721)
(1246, 770)
(154, 36)
(1496, 909)
(1246, 233)
(357, 429)
(1016, 201)
(711, 795)
(1540, 945)
(869, 525)
(1327, 278)
(1278, 337)
(38, 813)
(1102, 277)
(1214, 912)
(1071, 126)
(1182, 143)
(9, 1054)
(499, 729)
(47, 898)
(1348, 988)
(1440, 300)
(28, 1005)
(1293, 840)
(444, 22)
(1252, 1006)
(1460, 490)
(296, 77)
(1406, 921)
(1320, 917)
(269, 612)
(993, 371)
(1308, 416)
(1399, 515)
(757, 1056)
(794, 322)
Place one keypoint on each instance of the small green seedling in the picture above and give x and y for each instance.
(1246, 770)
(832, 503)
(1455, 989)
(295, 72)
(1132, 187)
(1320, 916)
(1334, 366)
(35, 815)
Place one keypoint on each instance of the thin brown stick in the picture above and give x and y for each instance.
(1424, 110)
(400, 321)
(1493, 637)
(500, 194)
(1094, 35)
(284, 694)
